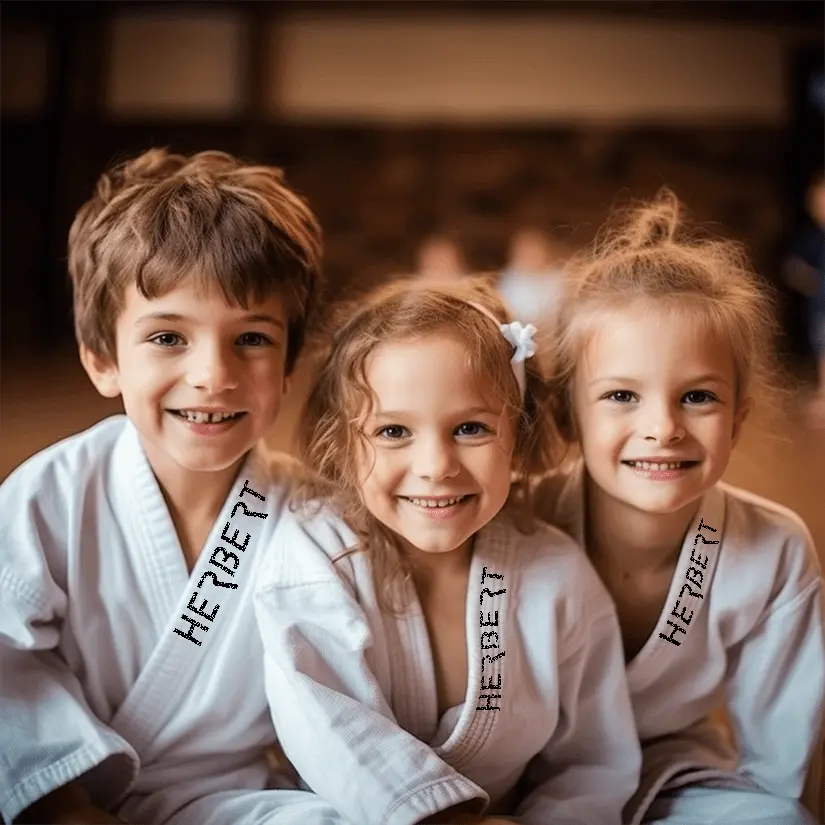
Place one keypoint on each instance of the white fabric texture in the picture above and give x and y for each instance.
(353, 697)
(755, 642)
(119, 668)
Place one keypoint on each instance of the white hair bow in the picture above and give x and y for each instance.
(521, 337)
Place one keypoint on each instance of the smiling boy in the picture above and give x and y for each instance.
(128, 655)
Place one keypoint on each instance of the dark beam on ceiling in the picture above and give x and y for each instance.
(788, 12)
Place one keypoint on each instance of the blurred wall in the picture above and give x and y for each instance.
(422, 67)
(398, 122)
(533, 69)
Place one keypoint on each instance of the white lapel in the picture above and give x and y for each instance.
(414, 698)
(158, 560)
(488, 627)
(687, 596)
(191, 610)
(687, 600)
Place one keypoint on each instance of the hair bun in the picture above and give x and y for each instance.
(653, 224)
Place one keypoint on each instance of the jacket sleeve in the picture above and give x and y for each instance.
(50, 736)
(776, 680)
(331, 716)
(590, 768)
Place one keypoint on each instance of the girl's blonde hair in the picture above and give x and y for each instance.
(650, 252)
(330, 435)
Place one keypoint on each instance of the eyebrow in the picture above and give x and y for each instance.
(175, 317)
(462, 414)
(709, 377)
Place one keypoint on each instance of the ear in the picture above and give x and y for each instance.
(288, 383)
(742, 412)
(102, 372)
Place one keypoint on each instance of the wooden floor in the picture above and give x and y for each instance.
(43, 400)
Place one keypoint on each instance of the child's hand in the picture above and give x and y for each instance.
(69, 805)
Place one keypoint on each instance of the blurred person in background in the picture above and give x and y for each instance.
(440, 257)
(532, 281)
(804, 271)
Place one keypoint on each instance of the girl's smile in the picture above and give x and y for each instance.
(657, 469)
(440, 509)
(435, 462)
(656, 409)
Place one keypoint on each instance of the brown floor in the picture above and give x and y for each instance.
(43, 400)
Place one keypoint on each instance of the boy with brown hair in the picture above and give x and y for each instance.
(130, 669)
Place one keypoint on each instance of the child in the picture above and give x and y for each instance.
(127, 551)
(665, 342)
(435, 653)
(533, 279)
(805, 271)
(440, 258)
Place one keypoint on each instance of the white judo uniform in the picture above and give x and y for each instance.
(545, 731)
(743, 626)
(119, 666)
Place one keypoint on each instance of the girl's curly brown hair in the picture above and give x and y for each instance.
(331, 437)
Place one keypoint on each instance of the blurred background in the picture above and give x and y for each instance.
(400, 121)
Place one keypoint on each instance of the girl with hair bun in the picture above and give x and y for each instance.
(665, 343)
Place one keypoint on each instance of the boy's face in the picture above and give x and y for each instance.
(201, 380)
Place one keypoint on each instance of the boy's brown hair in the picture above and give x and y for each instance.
(331, 429)
(163, 217)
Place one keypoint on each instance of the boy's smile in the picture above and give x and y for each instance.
(201, 380)
(208, 421)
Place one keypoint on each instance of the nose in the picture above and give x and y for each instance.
(435, 458)
(663, 425)
(212, 368)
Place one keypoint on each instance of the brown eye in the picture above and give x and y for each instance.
(254, 339)
(620, 396)
(471, 428)
(695, 397)
(393, 432)
(167, 339)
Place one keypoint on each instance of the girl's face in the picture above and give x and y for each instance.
(435, 467)
(655, 409)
